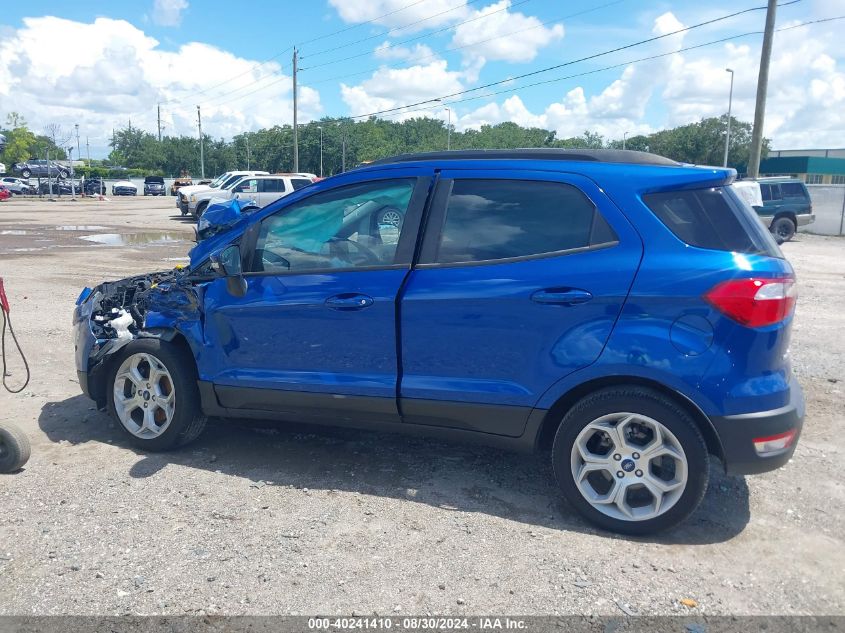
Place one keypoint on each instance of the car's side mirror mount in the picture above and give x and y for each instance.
(228, 264)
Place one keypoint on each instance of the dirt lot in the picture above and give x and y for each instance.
(255, 520)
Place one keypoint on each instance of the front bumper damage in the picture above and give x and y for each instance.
(159, 305)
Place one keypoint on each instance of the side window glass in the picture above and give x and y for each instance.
(504, 219)
(792, 190)
(349, 227)
(248, 186)
(299, 183)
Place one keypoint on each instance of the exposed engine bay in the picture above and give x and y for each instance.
(119, 308)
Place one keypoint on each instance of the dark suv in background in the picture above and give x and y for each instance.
(40, 169)
(154, 186)
(786, 206)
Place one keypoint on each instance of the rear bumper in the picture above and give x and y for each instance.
(737, 434)
(805, 218)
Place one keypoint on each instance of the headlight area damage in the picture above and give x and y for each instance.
(162, 305)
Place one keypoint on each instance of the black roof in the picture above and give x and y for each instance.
(540, 153)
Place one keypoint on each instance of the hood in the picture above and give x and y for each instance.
(187, 191)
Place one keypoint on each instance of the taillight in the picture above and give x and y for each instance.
(774, 443)
(755, 302)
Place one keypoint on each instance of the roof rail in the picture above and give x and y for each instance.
(540, 153)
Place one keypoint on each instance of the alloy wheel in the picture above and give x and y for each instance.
(144, 396)
(391, 217)
(628, 466)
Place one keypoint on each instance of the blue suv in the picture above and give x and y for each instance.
(627, 314)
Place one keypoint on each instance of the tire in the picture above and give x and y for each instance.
(200, 209)
(14, 448)
(160, 432)
(26, 173)
(391, 216)
(784, 228)
(643, 410)
(62, 174)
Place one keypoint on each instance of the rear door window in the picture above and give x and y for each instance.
(712, 218)
(489, 220)
(793, 190)
(272, 185)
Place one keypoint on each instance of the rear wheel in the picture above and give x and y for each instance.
(153, 395)
(784, 228)
(631, 460)
(26, 173)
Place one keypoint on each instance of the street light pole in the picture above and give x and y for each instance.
(728, 131)
(624, 137)
(320, 127)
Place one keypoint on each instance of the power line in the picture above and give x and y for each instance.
(424, 35)
(615, 66)
(355, 26)
(569, 63)
(398, 28)
(470, 45)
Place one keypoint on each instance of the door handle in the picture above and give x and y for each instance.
(561, 296)
(349, 301)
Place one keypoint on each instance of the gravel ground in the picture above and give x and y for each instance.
(264, 519)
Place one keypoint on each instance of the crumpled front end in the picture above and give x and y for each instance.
(113, 314)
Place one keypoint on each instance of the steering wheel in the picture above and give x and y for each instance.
(370, 255)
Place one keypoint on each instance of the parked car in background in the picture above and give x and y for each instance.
(622, 313)
(223, 180)
(154, 186)
(124, 188)
(2, 166)
(266, 189)
(59, 187)
(17, 186)
(178, 183)
(39, 168)
(5, 194)
(786, 206)
(94, 186)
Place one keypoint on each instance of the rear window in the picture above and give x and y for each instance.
(505, 219)
(299, 183)
(713, 218)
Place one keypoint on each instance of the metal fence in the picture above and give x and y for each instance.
(829, 207)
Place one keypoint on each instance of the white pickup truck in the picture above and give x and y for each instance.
(228, 178)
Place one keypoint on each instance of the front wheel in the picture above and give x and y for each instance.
(26, 173)
(784, 228)
(153, 395)
(631, 460)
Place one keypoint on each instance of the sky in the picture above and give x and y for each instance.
(100, 65)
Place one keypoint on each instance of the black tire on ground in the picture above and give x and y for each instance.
(784, 228)
(188, 420)
(14, 448)
(201, 207)
(647, 402)
(26, 173)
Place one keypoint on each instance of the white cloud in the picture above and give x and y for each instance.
(115, 72)
(401, 13)
(392, 87)
(419, 52)
(168, 12)
(504, 35)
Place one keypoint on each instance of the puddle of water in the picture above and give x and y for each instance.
(14, 232)
(134, 239)
(79, 227)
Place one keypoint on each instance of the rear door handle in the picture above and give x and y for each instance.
(561, 296)
(349, 301)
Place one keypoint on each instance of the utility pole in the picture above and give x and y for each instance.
(343, 146)
(158, 110)
(202, 156)
(624, 139)
(78, 152)
(320, 127)
(762, 88)
(247, 152)
(88, 150)
(72, 181)
(449, 131)
(295, 131)
(728, 131)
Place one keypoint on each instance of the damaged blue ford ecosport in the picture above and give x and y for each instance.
(623, 312)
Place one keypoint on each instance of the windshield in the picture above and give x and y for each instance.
(215, 184)
(236, 180)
